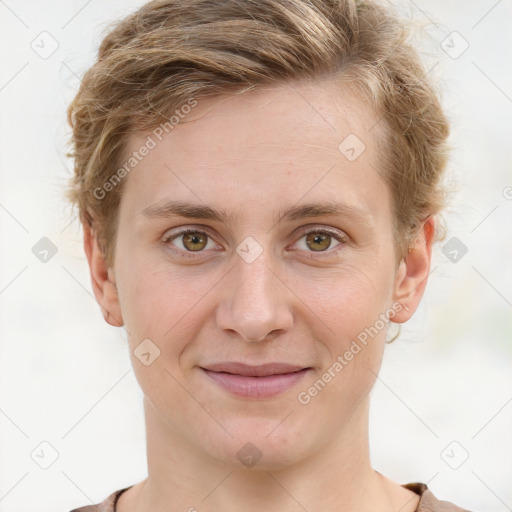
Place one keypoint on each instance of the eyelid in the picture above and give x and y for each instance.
(183, 230)
(320, 228)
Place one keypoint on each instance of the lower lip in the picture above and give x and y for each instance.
(256, 387)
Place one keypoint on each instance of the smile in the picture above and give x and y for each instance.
(263, 381)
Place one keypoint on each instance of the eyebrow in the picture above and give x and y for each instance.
(198, 211)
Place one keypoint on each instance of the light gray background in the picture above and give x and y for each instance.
(65, 376)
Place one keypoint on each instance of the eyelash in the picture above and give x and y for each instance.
(343, 239)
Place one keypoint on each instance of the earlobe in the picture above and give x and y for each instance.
(413, 271)
(102, 279)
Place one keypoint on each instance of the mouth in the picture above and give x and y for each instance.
(262, 381)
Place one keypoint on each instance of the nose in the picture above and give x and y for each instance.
(256, 303)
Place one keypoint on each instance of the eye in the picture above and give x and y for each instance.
(190, 240)
(320, 240)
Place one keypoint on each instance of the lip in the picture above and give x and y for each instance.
(260, 381)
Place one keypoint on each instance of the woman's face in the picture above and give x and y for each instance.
(289, 261)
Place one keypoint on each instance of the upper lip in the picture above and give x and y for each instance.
(262, 370)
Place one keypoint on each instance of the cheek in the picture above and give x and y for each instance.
(347, 301)
(355, 344)
(161, 302)
(351, 306)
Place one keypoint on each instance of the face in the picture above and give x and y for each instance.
(255, 253)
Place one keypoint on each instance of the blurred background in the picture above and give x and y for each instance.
(71, 417)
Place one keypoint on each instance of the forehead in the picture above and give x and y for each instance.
(268, 144)
(298, 116)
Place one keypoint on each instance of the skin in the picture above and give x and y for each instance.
(254, 155)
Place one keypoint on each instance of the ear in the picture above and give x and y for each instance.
(102, 279)
(413, 271)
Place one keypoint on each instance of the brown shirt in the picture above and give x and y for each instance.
(428, 502)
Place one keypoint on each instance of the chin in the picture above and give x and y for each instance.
(262, 444)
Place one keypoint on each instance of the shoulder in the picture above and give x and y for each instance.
(107, 505)
(428, 502)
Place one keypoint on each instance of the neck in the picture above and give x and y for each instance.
(337, 477)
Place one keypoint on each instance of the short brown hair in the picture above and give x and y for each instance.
(169, 51)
